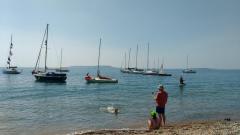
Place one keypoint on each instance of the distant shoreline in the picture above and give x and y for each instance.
(196, 128)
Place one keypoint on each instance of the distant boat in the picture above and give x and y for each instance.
(182, 85)
(99, 78)
(125, 69)
(61, 69)
(188, 70)
(136, 70)
(11, 69)
(148, 71)
(45, 75)
(162, 73)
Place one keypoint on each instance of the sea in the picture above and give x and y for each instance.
(28, 107)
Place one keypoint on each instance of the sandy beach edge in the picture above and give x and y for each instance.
(217, 127)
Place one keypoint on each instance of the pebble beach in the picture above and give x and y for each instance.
(191, 128)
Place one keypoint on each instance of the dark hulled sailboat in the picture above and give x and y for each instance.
(45, 75)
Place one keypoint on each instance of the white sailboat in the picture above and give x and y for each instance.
(148, 71)
(136, 70)
(188, 70)
(99, 78)
(11, 69)
(126, 69)
(161, 72)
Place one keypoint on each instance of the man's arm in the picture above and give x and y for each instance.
(156, 96)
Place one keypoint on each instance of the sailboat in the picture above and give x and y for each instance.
(162, 73)
(45, 75)
(136, 70)
(126, 69)
(99, 78)
(61, 69)
(188, 70)
(11, 69)
(148, 71)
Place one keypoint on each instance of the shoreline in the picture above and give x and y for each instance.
(211, 127)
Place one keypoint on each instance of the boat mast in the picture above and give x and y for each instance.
(10, 54)
(98, 71)
(40, 51)
(136, 57)
(129, 55)
(46, 42)
(61, 61)
(125, 57)
(158, 66)
(187, 61)
(161, 71)
(154, 65)
(148, 58)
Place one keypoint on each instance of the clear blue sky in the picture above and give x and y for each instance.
(206, 30)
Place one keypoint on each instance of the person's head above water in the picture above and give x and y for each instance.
(160, 87)
(153, 114)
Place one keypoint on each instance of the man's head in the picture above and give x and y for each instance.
(160, 87)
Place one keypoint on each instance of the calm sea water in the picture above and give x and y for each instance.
(31, 108)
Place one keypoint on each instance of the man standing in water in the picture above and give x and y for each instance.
(161, 100)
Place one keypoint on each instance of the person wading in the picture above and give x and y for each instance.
(161, 100)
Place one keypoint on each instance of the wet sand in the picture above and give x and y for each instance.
(197, 128)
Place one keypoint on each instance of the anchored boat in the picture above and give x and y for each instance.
(46, 75)
(11, 69)
(136, 70)
(162, 73)
(99, 78)
(148, 71)
(61, 69)
(188, 70)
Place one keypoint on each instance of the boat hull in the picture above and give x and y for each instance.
(62, 70)
(150, 73)
(164, 74)
(125, 71)
(189, 71)
(182, 85)
(11, 71)
(102, 81)
(55, 77)
(136, 72)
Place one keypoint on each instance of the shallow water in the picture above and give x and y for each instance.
(31, 108)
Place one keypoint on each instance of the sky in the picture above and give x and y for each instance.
(207, 31)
